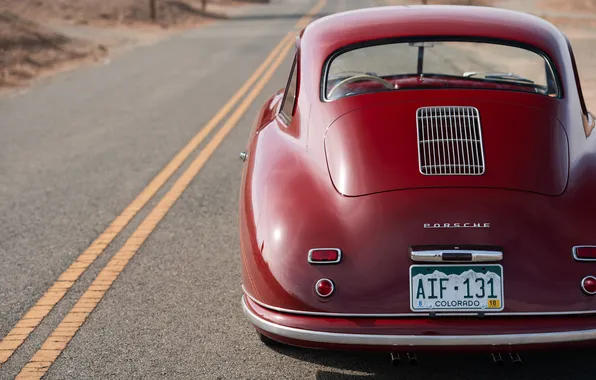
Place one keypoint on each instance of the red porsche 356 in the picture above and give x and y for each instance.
(426, 179)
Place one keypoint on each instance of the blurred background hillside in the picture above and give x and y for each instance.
(40, 37)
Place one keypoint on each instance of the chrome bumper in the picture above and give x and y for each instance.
(416, 340)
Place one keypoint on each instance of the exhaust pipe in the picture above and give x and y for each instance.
(395, 358)
(515, 358)
(412, 358)
(497, 358)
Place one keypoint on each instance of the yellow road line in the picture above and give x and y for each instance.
(42, 360)
(25, 326)
(56, 343)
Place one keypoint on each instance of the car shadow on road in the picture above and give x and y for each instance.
(556, 365)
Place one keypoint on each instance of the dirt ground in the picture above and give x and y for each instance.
(41, 37)
(570, 5)
(112, 12)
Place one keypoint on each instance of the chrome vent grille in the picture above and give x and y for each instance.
(449, 141)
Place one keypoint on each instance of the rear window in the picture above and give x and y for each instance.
(438, 64)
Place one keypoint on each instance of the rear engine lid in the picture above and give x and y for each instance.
(404, 146)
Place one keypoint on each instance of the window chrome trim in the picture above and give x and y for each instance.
(415, 340)
(287, 119)
(439, 255)
(322, 87)
(582, 246)
(413, 315)
(324, 262)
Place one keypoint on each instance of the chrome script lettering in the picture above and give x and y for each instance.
(457, 225)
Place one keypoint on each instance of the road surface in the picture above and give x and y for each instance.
(76, 152)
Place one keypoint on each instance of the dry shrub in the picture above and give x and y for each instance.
(28, 50)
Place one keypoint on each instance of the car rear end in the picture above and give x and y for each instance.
(455, 214)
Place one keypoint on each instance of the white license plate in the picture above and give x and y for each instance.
(456, 288)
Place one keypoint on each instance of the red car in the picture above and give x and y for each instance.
(426, 180)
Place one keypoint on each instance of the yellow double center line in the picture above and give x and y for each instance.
(56, 343)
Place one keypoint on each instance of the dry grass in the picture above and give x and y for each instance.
(28, 50)
(109, 12)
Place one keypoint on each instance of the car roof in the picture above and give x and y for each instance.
(323, 37)
(344, 28)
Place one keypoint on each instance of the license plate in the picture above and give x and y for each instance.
(456, 288)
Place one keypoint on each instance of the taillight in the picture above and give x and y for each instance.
(324, 287)
(589, 285)
(324, 256)
(585, 252)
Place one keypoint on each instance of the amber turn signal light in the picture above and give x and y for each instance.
(324, 256)
(585, 252)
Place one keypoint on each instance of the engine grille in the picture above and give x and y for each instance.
(449, 141)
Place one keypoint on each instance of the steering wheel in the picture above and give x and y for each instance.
(357, 78)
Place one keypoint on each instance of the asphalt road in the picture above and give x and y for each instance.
(76, 152)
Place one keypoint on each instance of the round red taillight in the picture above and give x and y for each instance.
(589, 285)
(324, 287)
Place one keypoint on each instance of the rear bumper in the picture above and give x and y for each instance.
(355, 332)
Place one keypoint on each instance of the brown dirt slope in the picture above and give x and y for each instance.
(169, 12)
(29, 48)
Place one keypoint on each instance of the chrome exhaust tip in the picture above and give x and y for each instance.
(395, 358)
(497, 358)
(412, 358)
(515, 358)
